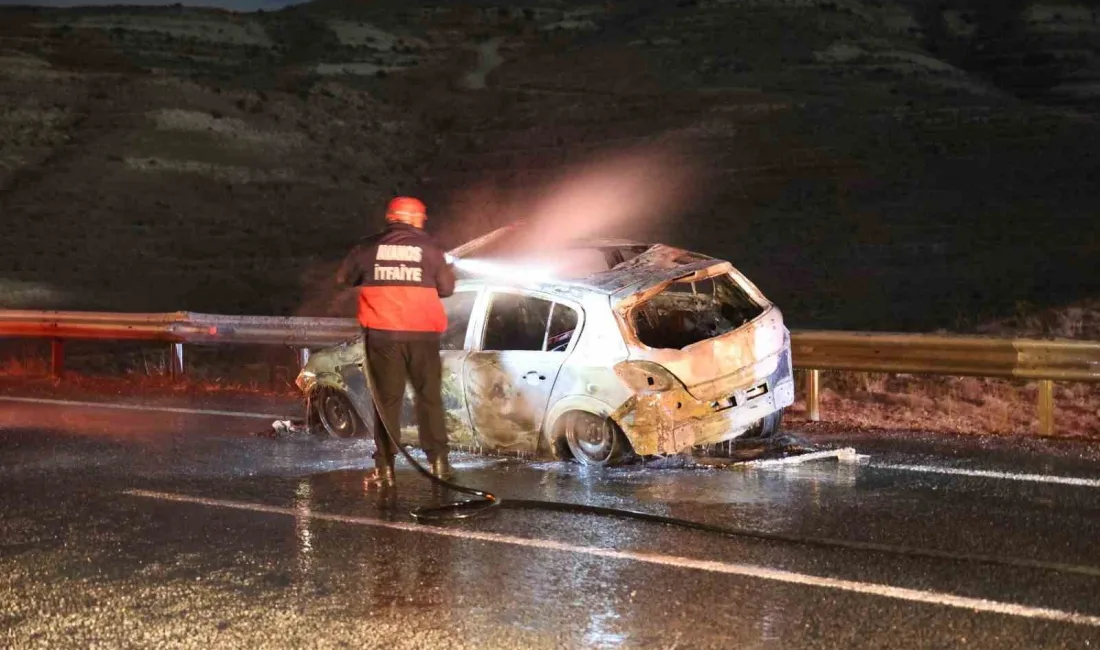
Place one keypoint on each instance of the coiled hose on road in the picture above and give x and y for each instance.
(486, 502)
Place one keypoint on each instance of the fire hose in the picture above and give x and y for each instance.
(485, 502)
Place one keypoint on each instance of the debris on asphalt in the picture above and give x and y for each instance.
(281, 429)
(843, 455)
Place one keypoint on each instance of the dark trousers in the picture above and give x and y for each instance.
(392, 363)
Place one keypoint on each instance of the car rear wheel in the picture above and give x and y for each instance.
(765, 428)
(337, 414)
(595, 441)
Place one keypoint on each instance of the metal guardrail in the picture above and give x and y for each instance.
(813, 351)
(1046, 361)
(175, 328)
(178, 327)
(948, 355)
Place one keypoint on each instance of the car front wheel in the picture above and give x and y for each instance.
(337, 414)
(595, 441)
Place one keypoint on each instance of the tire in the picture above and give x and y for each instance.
(337, 415)
(766, 427)
(595, 441)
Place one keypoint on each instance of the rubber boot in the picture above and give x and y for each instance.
(441, 468)
(382, 476)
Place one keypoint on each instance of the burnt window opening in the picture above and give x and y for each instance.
(526, 323)
(562, 329)
(458, 306)
(690, 312)
(516, 322)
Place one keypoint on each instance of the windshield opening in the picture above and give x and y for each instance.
(688, 312)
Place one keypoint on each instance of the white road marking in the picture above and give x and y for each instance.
(712, 566)
(141, 407)
(981, 473)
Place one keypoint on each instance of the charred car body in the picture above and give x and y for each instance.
(622, 347)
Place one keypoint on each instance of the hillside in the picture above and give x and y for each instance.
(887, 164)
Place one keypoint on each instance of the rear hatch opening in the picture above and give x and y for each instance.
(690, 311)
(710, 329)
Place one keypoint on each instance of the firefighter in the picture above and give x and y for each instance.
(401, 274)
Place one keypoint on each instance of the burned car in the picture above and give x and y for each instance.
(619, 348)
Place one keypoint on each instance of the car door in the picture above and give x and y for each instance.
(454, 346)
(521, 344)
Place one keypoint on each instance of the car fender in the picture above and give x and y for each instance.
(328, 380)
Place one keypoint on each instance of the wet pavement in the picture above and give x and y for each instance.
(125, 528)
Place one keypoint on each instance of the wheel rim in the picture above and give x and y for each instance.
(593, 438)
(336, 415)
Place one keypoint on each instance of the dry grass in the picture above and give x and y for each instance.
(360, 34)
(235, 31)
(971, 404)
(968, 405)
(359, 68)
(1080, 321)
(225, 128)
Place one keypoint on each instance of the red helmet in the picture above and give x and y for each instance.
(407, 210)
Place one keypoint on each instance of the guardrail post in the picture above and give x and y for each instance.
(57, 357)
(813, 394)
(175, 360)
(303, 357)
(1046, 407)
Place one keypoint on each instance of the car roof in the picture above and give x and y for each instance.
(640, 265)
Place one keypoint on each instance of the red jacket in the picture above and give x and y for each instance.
(401, 275)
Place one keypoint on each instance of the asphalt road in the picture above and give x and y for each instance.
(130, 528)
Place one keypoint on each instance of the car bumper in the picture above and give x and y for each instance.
(673, 421)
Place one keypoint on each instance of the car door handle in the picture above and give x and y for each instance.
(534, 377)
